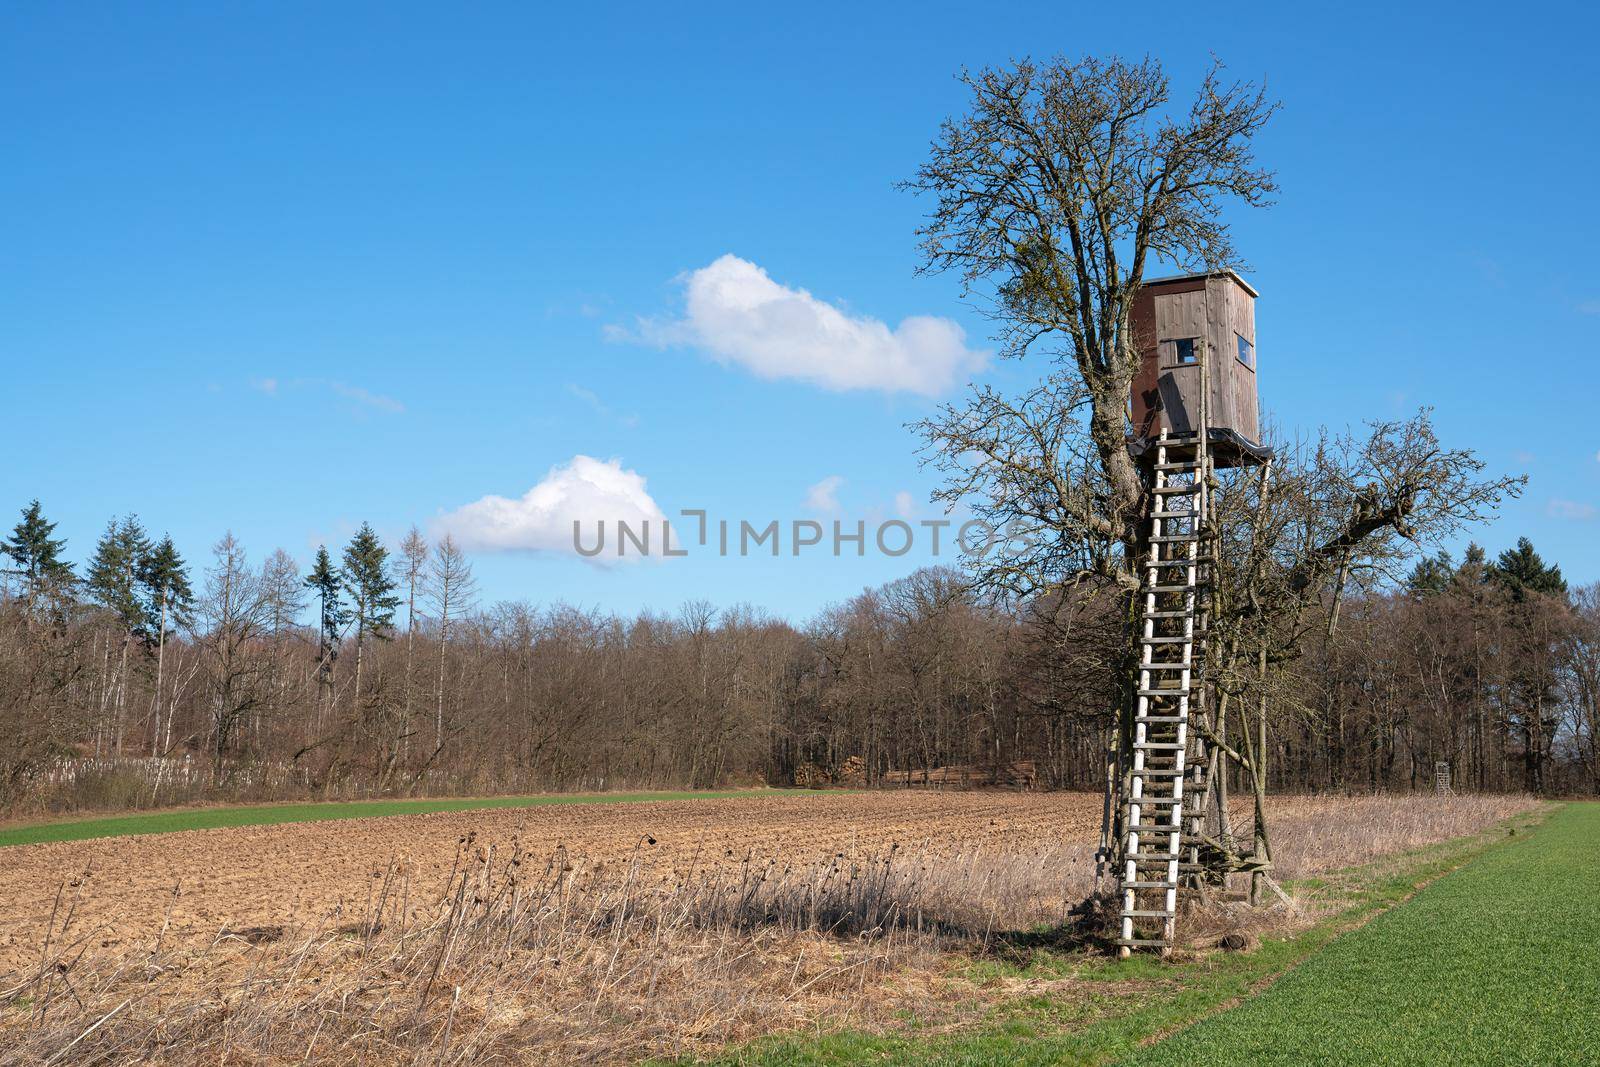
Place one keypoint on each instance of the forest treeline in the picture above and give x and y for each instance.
(132, 678)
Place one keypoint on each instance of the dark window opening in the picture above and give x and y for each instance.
(1184, 347)
(1247, 352)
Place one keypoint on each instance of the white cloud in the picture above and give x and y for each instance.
(368, 399)
(590, 397)
(738, 314)
(364, 397)
(1589, 307)
(824, 496)
(905, 505)
(1570, 509)
(585, 490)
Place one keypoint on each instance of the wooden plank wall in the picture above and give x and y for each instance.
(1212, 309)
(1241, 382)
(1179, 315)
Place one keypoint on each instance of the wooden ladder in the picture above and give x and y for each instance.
(1171, 646)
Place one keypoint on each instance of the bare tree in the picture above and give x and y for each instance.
(231, 615)
(413, 564)
(1583, 663)
(449, 591)
(42, 710)
(1053, 194)
(284, 598)
(1059, 188)
(283, 591)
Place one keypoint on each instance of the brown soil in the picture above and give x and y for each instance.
(122, 890)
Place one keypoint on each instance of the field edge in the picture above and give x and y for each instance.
(1489, 993)
(1106, 1023)
(229, 816)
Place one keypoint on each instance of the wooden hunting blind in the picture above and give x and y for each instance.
(1194, 410)
(1176, 322)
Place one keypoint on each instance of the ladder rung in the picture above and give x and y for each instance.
(1161, 718)
(1162, 692)
(1148, 885)
(1177, 466)
(1167, 640)
(1174, 514)
(1145, 913)
(1173, 562)
(1167, 614)
(1159, 746)
(1175, 490)
(1142, 942)
(1164, 539)
(1164, 666)
(1141, 801)
(1152, 828)
(1154, 857)
(1168, 589)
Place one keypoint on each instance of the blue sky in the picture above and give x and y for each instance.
(282, 268)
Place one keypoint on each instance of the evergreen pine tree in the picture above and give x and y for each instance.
(328, 584)
(36, 554)
(371, 589)
(168, 597)
(1431, 576)
(369, 584)
(113, 580)
(1522, 571)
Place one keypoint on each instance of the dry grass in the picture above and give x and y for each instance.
(1318, 835)
(1315, 835)
(518, 960)
(556, 958)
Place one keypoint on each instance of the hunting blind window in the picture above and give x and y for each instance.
(1247, 352)
(1185, 350)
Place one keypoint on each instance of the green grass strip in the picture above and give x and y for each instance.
(1497, 963)
(166, 822)
(1107, 1010)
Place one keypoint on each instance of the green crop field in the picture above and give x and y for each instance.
(1484, 950)
(1497, 963)
(270, 814)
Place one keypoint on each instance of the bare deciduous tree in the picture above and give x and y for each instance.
(1053, 195)
(232, 613)
(449, 590)
(1062, 184)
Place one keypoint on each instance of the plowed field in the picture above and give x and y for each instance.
(201, 881)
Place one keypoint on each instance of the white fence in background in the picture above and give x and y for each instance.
(179, 772)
